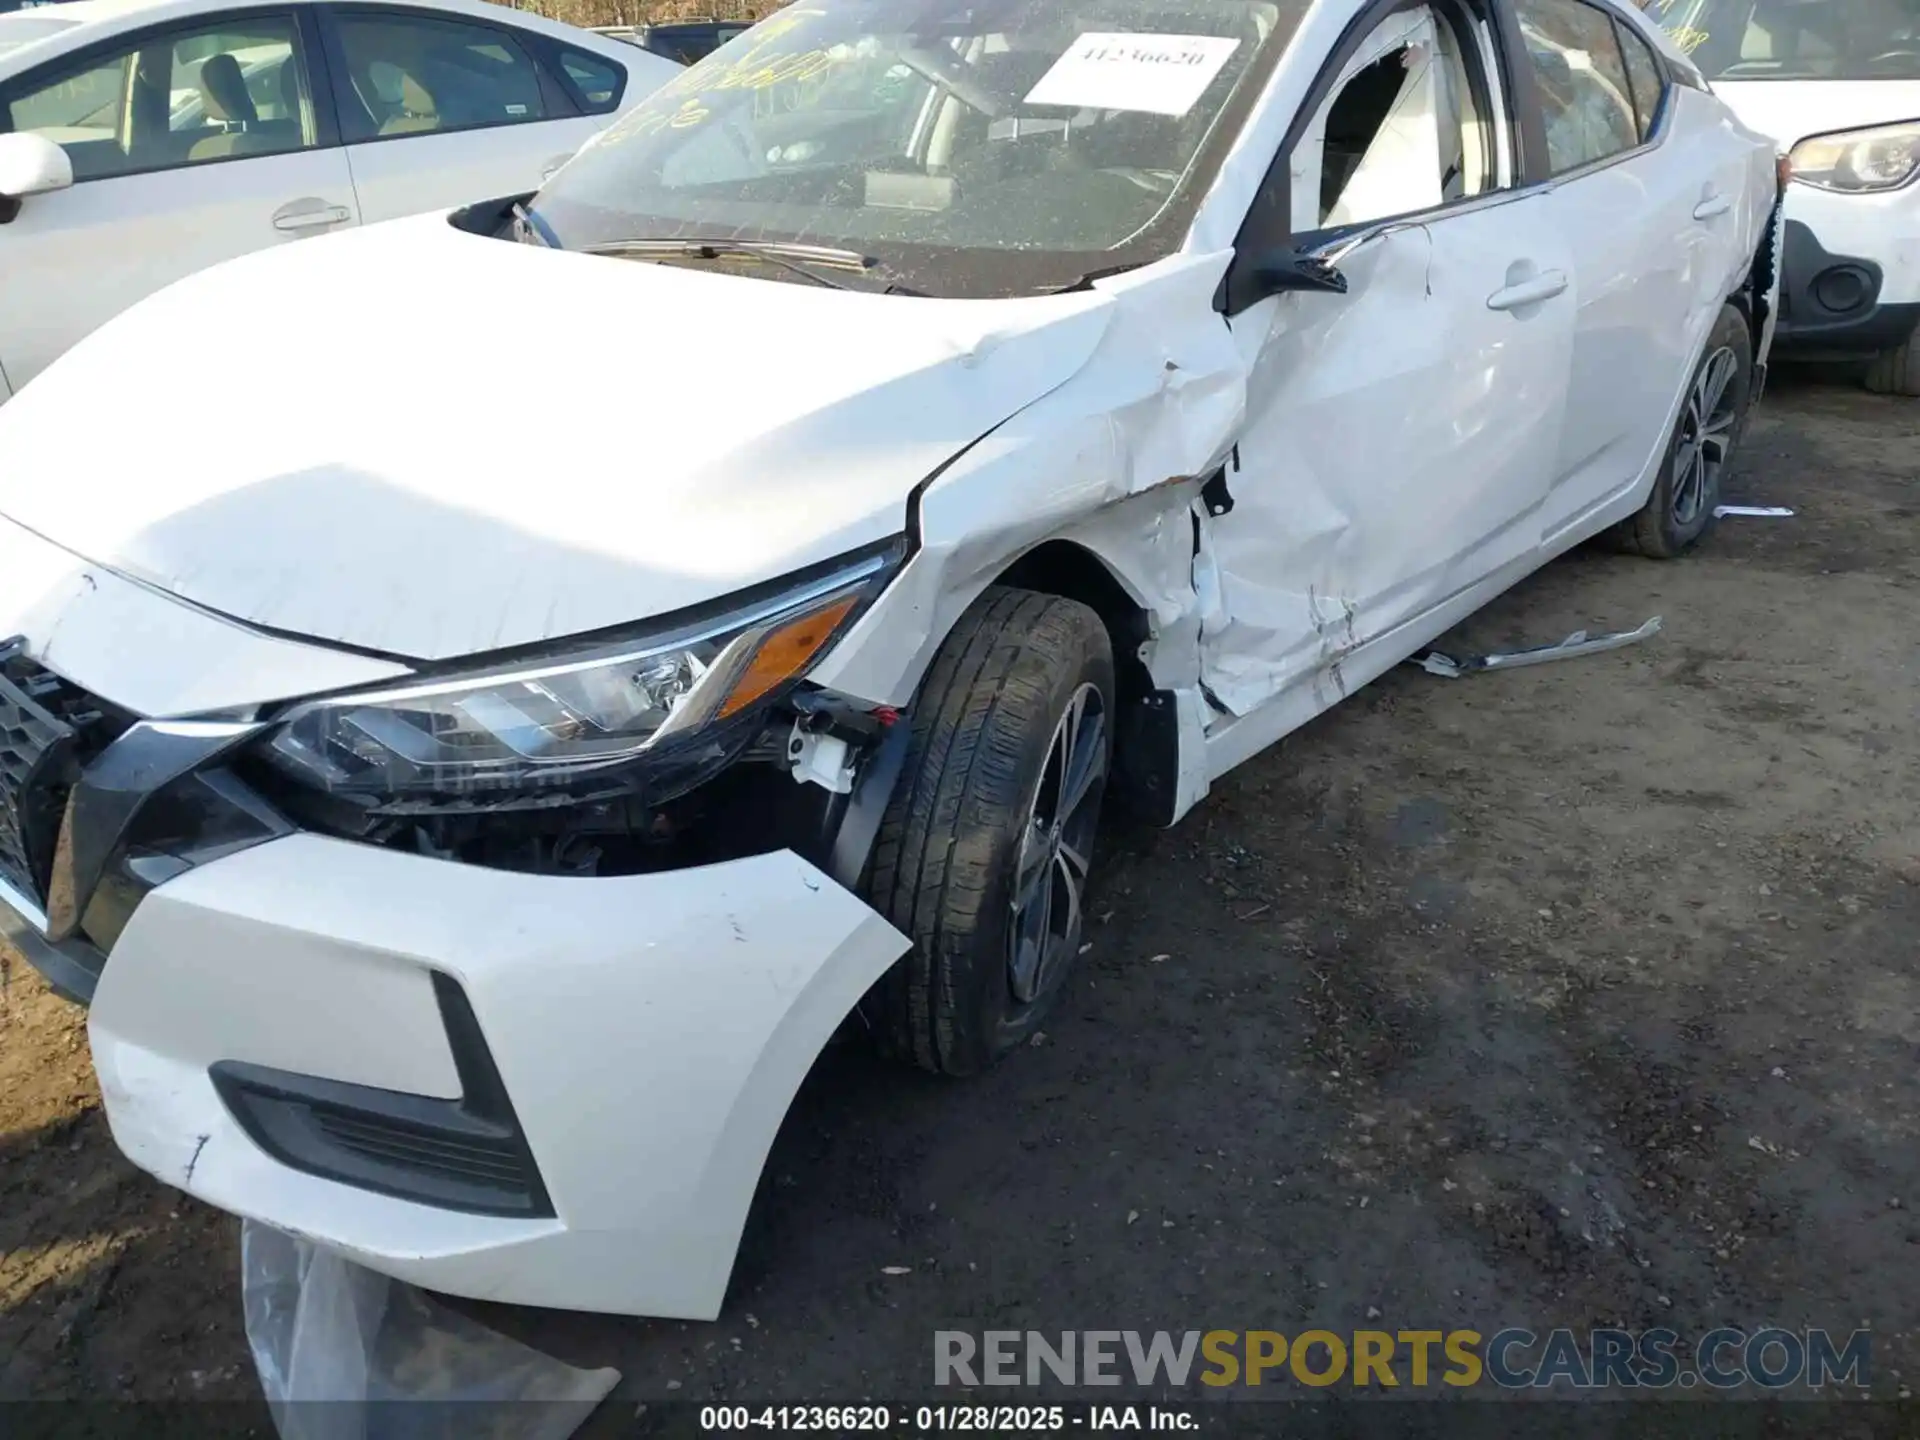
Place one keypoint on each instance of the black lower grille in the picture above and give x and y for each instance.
(471, 1160)
(467, 1154)
(37, 766)
(31, 742)
(48, 730)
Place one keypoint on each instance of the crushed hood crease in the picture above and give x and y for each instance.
(701, 432)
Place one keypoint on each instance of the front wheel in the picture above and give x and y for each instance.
(1897, 372)
(1680, 511)
(984, 855)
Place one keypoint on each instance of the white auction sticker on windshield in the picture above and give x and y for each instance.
(1159, 74)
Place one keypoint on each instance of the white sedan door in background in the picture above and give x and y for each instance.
(198, 132)
(441, 109)
(176, 167)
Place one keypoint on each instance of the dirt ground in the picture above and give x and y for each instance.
(1580, 995)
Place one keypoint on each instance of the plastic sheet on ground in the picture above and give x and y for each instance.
(348, 1354)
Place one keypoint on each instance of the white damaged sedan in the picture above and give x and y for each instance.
(476, 748)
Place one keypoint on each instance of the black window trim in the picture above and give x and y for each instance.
(1237, 292)
(555, 97)
(326, 125)
(553, 59)
(1656, 137)
(1664, 101)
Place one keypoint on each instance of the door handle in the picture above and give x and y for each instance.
(1712, 207)
(547, 170)
(298, 215)
(1529, 292)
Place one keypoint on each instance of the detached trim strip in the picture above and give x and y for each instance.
(468, 1154)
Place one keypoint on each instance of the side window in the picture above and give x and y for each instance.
(598, 82)
(1582, 77)
(1409, 128)
(407, 76)
(1648, 80)
(178, 99)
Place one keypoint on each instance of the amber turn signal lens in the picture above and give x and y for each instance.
(784, 653)
(1786, 171)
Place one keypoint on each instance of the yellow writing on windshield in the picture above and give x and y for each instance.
(766, 56)
(1688, 38)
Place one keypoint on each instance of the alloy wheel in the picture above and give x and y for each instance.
(1056, 848)
(1706, 437)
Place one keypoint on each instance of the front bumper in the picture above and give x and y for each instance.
(1851, 273)
(72, 967)
(649, 1031)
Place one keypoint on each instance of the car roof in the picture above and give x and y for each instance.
(108, 17)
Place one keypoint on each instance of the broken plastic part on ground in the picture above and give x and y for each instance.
(1753, 512)
(1574, 647)
(323, 1329)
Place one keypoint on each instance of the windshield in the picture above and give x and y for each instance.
(1796, 39)
(988, 148)
(16, 31)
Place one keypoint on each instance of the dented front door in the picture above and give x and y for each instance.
(1399, 444)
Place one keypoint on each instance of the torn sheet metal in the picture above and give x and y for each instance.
(335, 1344)
(1574, 647)
(1753, 512)
(1109, 461)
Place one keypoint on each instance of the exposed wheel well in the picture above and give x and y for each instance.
(1072, 572)
(1147, 734)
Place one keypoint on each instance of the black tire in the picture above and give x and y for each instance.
(1679, 513)
(1897, 372)
(944, 866)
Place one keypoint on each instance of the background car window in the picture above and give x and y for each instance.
(178, 99)
(599, 82)
(408, 77)
(1649, 80)
(80, 111)
(1584, 91)
(1796, 39)
(1407, 131)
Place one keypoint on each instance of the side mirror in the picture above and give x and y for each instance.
(30, 165)
(1280, 271)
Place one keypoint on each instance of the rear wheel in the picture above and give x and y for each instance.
(1897, 372)
(984, 855)
(1680, 510)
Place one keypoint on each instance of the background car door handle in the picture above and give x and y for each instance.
(1529, 292)
(547, 170)
(299, 215)
(1711, 207)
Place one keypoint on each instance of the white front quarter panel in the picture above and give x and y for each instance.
(651, 1032)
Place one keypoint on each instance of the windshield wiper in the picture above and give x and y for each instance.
(811, 262)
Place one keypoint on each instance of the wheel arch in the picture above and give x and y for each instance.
(1147, 738)
(1070, 571)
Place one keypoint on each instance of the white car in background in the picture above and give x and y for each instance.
(611, 637)
(1837, 84)
(141, 140)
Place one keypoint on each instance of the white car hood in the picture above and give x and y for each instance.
(1789, 111)
(428, 444)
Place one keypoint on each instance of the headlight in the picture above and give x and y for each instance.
(1880, 159)
(539, 725)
